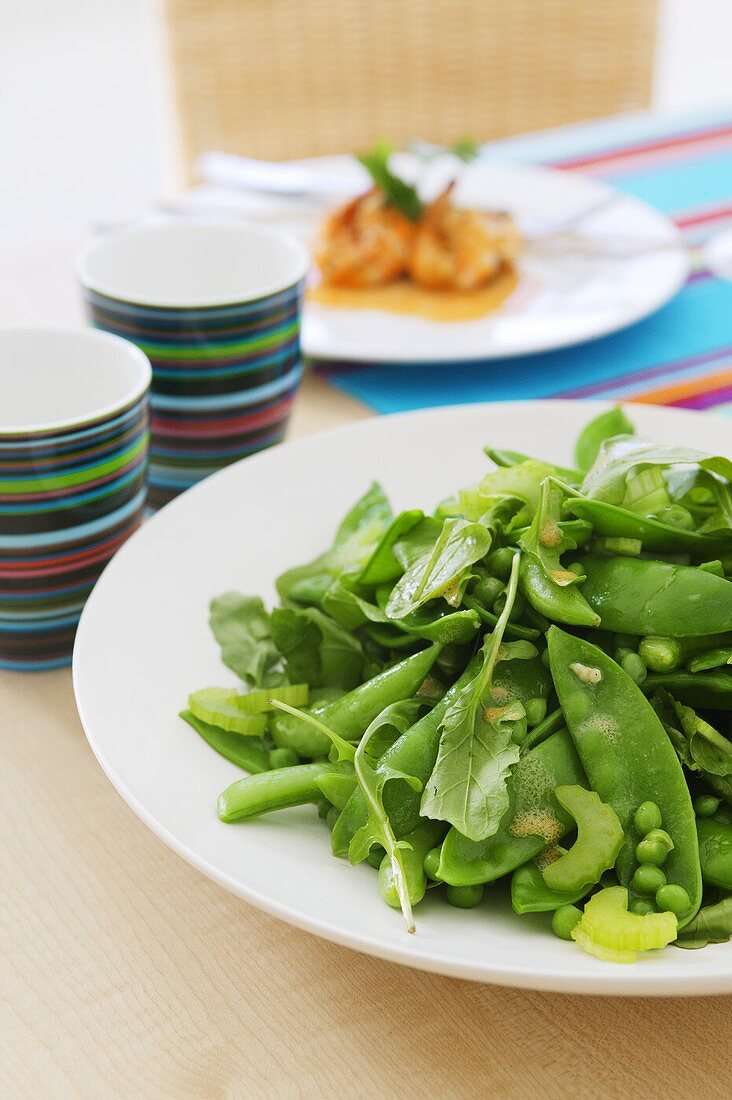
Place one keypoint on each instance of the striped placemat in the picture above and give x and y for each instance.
(682, 355)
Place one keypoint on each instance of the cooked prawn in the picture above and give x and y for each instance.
(458, 249)
(364, 243)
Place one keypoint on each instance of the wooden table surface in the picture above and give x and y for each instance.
(125, 972)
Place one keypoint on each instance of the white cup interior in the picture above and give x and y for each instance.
(59, 378)
(192, 264)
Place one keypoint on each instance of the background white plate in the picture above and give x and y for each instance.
(561, 300)
(143, 645)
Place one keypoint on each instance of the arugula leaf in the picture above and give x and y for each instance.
(442, 570)
(353, 611)
(355, 540)
(317, 650)
(522, 481)
(468, 785)
(242, 627)
(377, 829)
(508, 459)
(402, 196)
(712, 924)
(699, 747)
(619, 456)
(383, 565)
(417, 542)
(593, 435)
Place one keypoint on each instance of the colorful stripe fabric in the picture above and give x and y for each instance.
(680, 356)
(68, 500)
(224, 380)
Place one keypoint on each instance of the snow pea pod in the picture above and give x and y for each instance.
(276, 790)
(612, 521)
(626, 754)
(352, 713)
(638, 596)
(715, 852)
(533, 821)
(414, 753)
(696, 689)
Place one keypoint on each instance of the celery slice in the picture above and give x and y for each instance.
(607, 925)
(225, 708)
(646, 492)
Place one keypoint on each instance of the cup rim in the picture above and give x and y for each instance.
(133, 394)
(300, 264)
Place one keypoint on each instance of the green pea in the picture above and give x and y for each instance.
(465, 897)
(661, 654)
(375, 857)
(706, 805)
(431, 863)
(673, 899)
(654, 848)
(647, 879)
(283, 758)
(635, 667)
(576, 568)
(621, 653)
(519, 731)
(535, 711)
(641, 907)
(331, 817)
(675, 515)
(488, 590)
(500, 561)
(647, 817)
(564, 919)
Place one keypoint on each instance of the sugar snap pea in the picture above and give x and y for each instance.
(612, 521)
(276, 790)
(639, 596)
(421, 840)
(530, 893)
(697, 689)
(627, 756)
(351, 714)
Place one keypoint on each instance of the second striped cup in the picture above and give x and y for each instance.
(216, 307)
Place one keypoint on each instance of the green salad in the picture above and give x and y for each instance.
(532, 684)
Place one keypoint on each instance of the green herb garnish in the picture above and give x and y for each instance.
(402, 196)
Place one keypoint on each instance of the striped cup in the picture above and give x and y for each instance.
(73, 452)
(216, 307)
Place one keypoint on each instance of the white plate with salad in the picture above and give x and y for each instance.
(436, 582)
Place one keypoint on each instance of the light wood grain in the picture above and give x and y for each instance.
(126, 973)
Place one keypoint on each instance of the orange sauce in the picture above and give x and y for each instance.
(404, 296)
